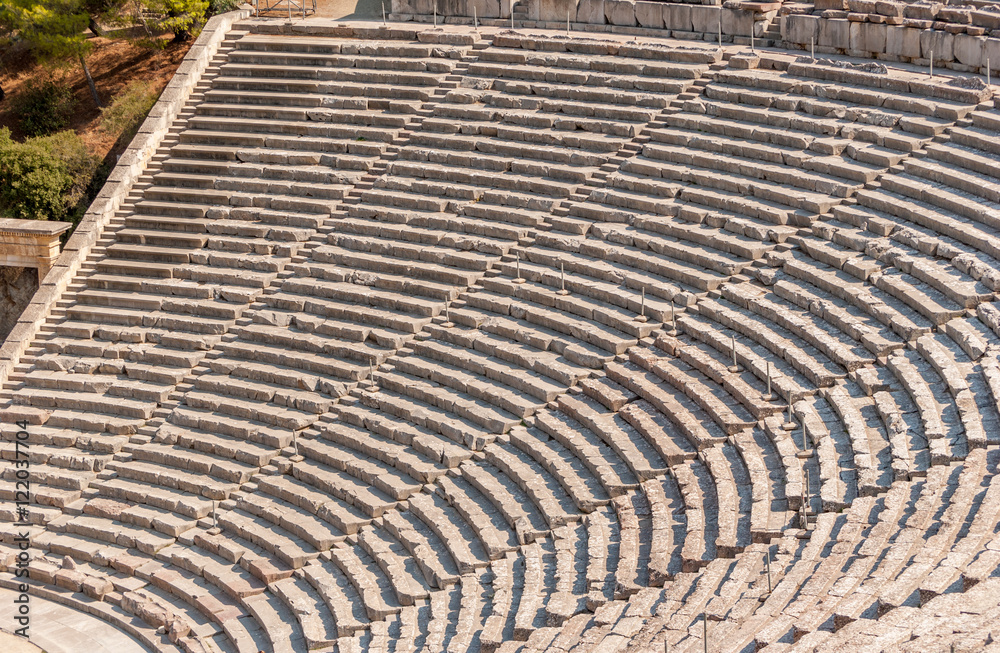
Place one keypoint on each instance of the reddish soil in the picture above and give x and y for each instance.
(114, 63)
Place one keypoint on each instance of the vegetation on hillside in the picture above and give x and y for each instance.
(80, 77)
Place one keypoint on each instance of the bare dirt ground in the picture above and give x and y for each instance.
(114, 63)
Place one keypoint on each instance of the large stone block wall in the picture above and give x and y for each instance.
(902, 43)
(891, 31)
(627, 16)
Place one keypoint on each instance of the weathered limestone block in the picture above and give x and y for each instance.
(861, 6)
(704, 19)
(736, 22)
(834, 33)
(483, 8)
(591, 12)
(452, 7)
(801, 29)
(620, 12)
(892, 9)
(922, 10)
(554, 10)
(961, 16)
(867, 37)
(902, 41)
(941, 43)
(987, 19)
(969, 50)
(823, 5)
(678, 17)
(991, 51)
(649, 14)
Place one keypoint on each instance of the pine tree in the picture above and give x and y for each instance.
(178, 16)
(52, 29)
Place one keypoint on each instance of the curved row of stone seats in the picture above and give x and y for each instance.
(99, 602)
(832, 425)
(947, 197)
(822, 598)
(899, 560)
(191, 596)
(153, 302)
(874, 318)
(927, 279)
(560, 117)
(730, 151)
(716, 410)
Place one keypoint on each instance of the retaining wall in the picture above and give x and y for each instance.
(961, 38)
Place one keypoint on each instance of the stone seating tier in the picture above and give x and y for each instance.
(444, 340)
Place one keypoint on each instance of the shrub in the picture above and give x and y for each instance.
(126, 112)
(43, 178)
(44, 107)
(222, 6)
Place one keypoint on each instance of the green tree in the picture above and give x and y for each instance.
(52, 29)
(43, 178)
(178, 16)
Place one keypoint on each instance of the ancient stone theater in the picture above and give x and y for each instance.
(572, 325)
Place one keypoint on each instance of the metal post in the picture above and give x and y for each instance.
(769, 380)
(447, 318)
(289, 9)
(295, 444)
(303, 9)
(517, 264)
(732, 342)
(435, 15)
(704, 619)
(562, 279)
(812, 46)
(673, 318)
(987, 71)
(805, 495)
(512, 16)
(805, 443)
(641, 317)
(383, 15)
(751, 39)
(720, 31)
(371, 378)
(567, 21)
(789, 424)
(767, 563)
(475, 18)
(932, 64)
(215, 514)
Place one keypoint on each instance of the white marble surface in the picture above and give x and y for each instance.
(58, 629)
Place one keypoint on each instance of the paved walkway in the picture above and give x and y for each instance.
(58, 629)
(342, 9)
